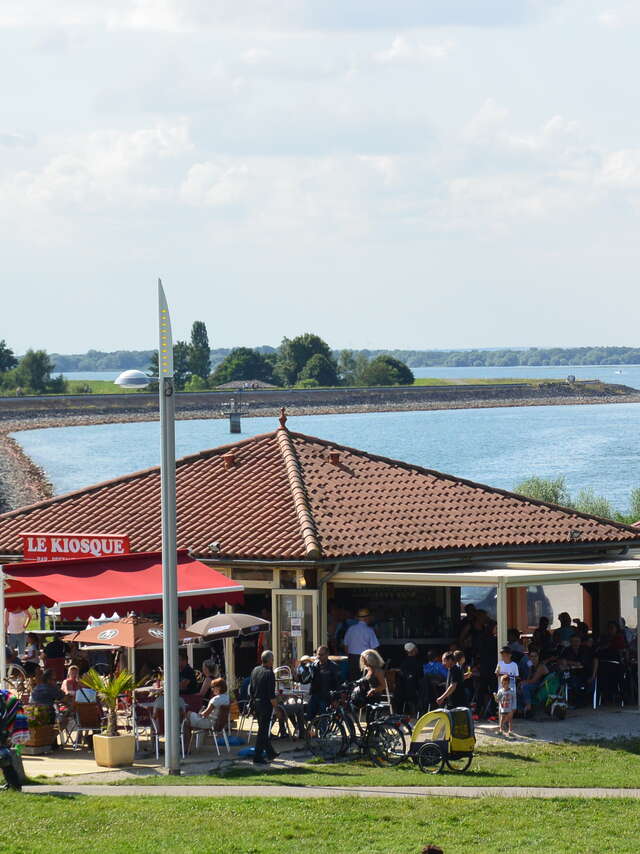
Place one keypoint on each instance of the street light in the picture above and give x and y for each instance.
(138, 379)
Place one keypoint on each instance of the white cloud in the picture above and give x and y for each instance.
(406, 51)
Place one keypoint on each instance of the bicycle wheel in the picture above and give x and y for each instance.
(326, 737)
(459, 764)
(385, 744)
(16, 677)
(430, 759)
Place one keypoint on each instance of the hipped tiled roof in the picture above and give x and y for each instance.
(286, 496)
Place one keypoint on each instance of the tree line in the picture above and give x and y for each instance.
(29, 374)
(555, 491)
(96, 360)
(305, 361)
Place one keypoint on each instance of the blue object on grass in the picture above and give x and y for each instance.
(234, 740)
(247, 751)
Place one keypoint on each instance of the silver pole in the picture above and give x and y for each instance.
(637, 634)
(169, 557)
(3, 634)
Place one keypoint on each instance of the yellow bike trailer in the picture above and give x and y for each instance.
(443, 736)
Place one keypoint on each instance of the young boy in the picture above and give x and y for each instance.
(508, 667)
(506, 700)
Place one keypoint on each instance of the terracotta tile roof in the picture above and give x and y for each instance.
(286, 496)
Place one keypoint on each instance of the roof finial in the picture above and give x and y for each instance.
(283, 417)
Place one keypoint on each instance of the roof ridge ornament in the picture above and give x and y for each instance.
(283, 418)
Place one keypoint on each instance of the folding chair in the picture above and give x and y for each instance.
(88, 719)
(217, 728)
(157, 721)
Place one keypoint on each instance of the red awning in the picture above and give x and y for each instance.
(133, 582)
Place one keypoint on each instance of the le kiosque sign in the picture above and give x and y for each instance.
(45, 546)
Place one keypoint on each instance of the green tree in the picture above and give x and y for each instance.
(199, 350)
(294, 353)
(243, 363)
(321, 369)
(7, 357)
(634, 505)
(596, 505)
(181, 364)
(385, 370)
(34, 371)
(347, 367)
(551, 490)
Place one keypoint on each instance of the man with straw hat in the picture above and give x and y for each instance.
(357, 639)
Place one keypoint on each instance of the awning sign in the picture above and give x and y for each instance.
(44, 546)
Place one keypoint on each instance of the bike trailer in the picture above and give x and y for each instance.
(443, 735)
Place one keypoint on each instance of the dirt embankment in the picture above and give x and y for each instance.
(22, 482)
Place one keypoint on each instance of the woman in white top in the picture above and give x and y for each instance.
(208, 717)
(15, 623)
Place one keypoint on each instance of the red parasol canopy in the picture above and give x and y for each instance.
(133, 581)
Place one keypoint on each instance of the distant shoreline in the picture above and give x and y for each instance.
(23, 482)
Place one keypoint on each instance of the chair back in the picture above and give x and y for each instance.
(222, 718)
(158, 721)
(88, 715)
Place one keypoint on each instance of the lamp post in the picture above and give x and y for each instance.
(166, 389)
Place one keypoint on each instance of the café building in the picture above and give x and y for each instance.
(313, 530)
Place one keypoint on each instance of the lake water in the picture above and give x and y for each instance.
(625, 374)
(592, 446)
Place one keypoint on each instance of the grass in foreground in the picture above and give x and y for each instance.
(614, 765)
(43, 824)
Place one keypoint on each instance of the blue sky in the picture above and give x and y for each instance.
(407, 174)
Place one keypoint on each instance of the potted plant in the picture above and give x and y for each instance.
(111, 749)
(42, 733)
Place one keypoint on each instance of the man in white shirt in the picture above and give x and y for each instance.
(357, 639)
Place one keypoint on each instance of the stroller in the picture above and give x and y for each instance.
(553, 694)
(13, 730)
(443, 736)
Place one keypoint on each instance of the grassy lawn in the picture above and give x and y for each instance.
(479, 381)
(40, 824)
(617, 764)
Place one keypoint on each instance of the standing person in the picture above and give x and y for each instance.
(324, 677)
(15, 625)
(506, 700)
(262, 691)
(453, 694)
(410, 676)
(507, 667)
(358, 639)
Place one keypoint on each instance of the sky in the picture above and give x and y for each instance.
(406, 174)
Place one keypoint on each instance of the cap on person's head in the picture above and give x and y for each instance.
(506, 649)
(363, 612)
(409, 647)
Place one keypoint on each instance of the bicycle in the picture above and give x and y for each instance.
(382, 737)
(15, 678)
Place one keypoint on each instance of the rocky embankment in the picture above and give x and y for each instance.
(22, 482)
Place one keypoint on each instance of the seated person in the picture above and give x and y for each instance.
(530, 685)
(406, 694)
(188, 681)
(211, 671)
(542, 640)
(71, 684)
(207, 718)
(31, 657)
(55, 648)
(562, 636)
(371, 687)
(47, 692)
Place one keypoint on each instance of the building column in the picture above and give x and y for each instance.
(501, 614)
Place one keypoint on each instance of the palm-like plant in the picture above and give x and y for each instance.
(109, 688)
